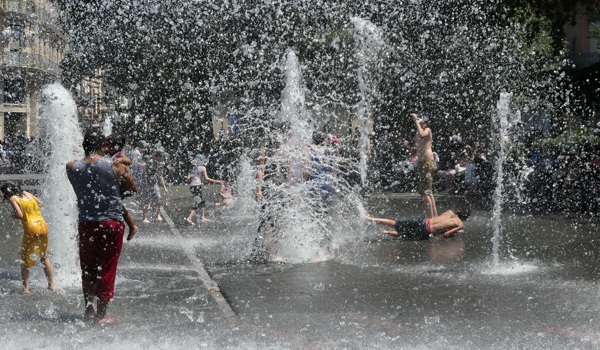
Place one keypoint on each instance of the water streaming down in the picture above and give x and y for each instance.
(245, 185)
(502, 115)
(294, 118)
(300, 233)
(507, 176)
(310, 213)
(370, 44)
(313, 222)
(58, 125)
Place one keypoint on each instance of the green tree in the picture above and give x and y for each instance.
(550, 15)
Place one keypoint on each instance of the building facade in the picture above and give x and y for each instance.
(32, 47)
(95, 103)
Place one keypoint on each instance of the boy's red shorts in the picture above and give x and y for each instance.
(100, 246)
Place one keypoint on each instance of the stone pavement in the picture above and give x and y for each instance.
(437, 294)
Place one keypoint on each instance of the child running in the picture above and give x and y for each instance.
(198, 176)
(113, 147)
(35, 232)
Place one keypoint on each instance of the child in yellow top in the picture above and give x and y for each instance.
(35, 232)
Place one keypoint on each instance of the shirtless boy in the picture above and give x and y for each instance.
(426, 165)
(446, 224)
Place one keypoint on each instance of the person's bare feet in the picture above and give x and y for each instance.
(52, 286)
(25, 291)
(89, 314)
(146, 221)
(190, 222)
(205, 220)
(107, 319)
(159, 218)
(132, 231)
(213, 288)
(275, 258)
(392, 233)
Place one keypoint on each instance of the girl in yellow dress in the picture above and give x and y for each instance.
(35, 232)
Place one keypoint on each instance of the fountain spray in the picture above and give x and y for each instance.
(59, 125)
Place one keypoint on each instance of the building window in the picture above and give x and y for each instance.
(14, 91)
(17, 37)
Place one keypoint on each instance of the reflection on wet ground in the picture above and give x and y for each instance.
(436, 294)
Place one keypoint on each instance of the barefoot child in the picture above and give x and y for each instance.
(447, 224)
(113, 147)
(226, 194)
(197, 177)
(35, 232)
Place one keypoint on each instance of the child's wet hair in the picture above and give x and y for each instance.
(92, 141)
(118, 141)
(10, 189)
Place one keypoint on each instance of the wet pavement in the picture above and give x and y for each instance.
(389, 294)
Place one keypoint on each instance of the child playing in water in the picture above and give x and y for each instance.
(198, 176)
(226, 194)
(446, 225)
(113, 147)
(26, 207)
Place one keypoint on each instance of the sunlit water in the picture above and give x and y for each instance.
(370, 45)
(503, 126)
(511, 268)
(306, 224)
(245, 188)
(411, 286)
(544, 297)
(59, 128)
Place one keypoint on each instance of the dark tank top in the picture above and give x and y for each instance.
(97, 189)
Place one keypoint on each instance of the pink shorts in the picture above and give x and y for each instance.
(100, 246)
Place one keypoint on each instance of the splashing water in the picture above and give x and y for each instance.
(306, 207)
(370, 44)
(58, 124)
(299, 233)
(503, 111)
(293, 112)
(244, 188)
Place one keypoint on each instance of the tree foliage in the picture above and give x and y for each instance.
(551, 15)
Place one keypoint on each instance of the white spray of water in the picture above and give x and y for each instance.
(293, 105)
(58, 124)
(370, 43)
(304, 209)
(245, 202)
(293, 113)
(107, 127)
(503, 112)
(300, 229)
